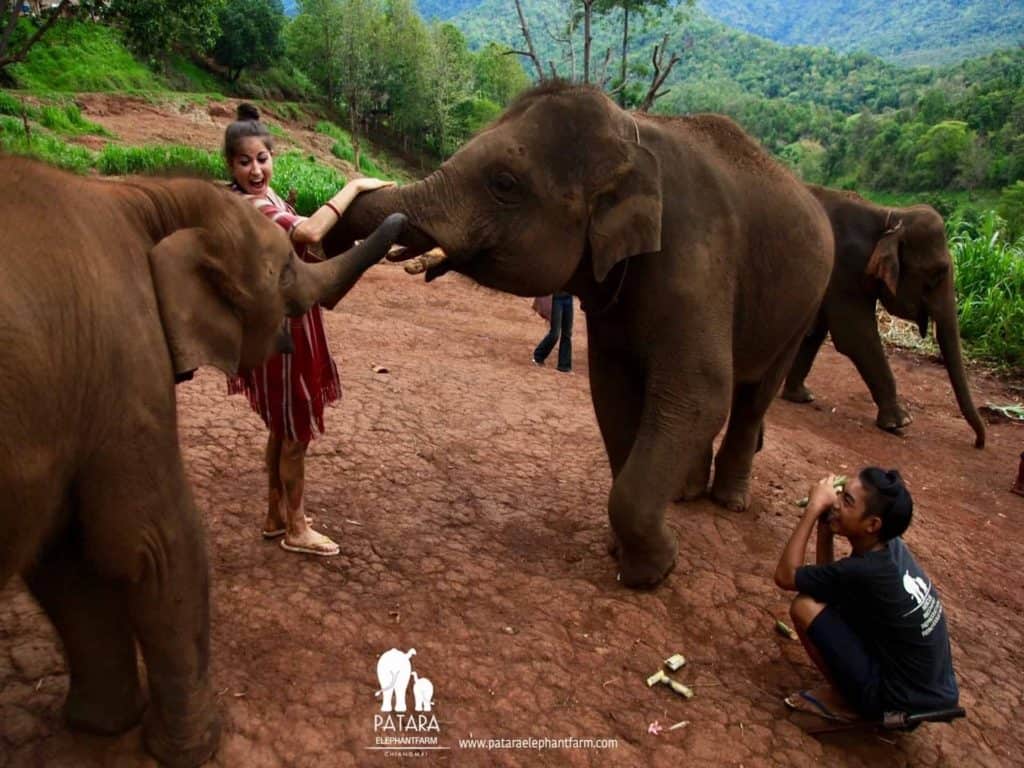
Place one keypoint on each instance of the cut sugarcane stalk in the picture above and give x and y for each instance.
(838, 483)
(785, 630)
(657, 678)
(675, 661)
(682, 690)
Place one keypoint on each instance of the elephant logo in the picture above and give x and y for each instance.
(423, 692)
(916, 587)
(393, 669)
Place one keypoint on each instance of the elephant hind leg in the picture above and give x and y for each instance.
(89, 614)
(794, 389)
(743, 438)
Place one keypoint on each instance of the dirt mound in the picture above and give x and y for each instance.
(467, 489)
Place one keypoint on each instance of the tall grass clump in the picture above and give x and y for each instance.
(314, 184)
(43, 146)
(68, 119)
(990, 289)
(160, 159)
(15, 107)
(343, 150)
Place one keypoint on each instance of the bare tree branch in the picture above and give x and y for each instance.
(532, 53)
(554, 72)
(604, 77)
(661, 71)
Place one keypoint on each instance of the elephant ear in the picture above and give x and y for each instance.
(625, 210)
(200, 323)
(884, 263)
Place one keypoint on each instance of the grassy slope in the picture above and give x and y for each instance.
(85, 57)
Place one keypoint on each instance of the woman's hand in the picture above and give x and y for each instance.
(368, 184)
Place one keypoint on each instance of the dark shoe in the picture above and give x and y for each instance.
(536, 361)
(565, 370)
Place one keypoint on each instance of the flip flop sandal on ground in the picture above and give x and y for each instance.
(805, 701)
(281, 531)
(327, 549)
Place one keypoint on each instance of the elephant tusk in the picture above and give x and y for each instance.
(425, 261)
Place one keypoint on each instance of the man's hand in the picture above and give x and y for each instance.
(821, 497)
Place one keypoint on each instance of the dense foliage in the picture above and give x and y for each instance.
(250, 34)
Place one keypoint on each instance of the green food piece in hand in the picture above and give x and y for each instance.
(839, 482)
(785, 630)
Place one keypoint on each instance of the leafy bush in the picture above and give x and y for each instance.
(315, 184)
(1011, 208)
(163, 159)
(990, 290)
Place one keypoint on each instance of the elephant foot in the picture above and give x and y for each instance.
(692, 492)
(102, 711)
(799, 394)
(893, 418)
(735, 497)
(648, 567)
(189, 742)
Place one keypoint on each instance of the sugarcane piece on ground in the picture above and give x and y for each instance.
(838, 483)
(684, 691)
(785, 630)
(656, 678)
(675, 661)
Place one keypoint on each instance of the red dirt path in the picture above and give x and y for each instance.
(467, 489)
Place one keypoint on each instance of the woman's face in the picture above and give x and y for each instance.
(252, 166)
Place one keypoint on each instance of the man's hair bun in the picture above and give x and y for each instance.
(248, 112)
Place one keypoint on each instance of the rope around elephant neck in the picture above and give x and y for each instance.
(635, 128)
(615, 296)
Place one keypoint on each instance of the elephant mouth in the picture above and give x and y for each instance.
(422, 254)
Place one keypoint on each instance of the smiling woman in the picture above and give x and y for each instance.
(288, 392)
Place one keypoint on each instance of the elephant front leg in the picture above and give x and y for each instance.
(90, 616)
(141, 523)
(674, 434)
(857, 337)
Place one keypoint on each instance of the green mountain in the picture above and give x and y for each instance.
(908, 33)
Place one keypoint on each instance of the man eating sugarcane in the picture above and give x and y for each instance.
(871, 622)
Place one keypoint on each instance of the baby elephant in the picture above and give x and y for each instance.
(897, 256)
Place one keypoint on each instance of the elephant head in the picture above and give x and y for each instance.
(558, 186)
(224, 288)
(905, 263)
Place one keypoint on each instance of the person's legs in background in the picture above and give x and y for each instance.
(540, 354)
(564, 302)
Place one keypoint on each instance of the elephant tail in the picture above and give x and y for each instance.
(389, 686)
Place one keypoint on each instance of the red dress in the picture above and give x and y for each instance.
(289, 392)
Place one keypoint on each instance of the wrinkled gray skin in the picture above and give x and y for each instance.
(679, 235)
(899, 257)
(108, 291)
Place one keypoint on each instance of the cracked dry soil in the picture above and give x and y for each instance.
(467, 489)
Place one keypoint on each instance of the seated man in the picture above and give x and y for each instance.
(871, 622)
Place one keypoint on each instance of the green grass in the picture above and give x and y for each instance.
(68, 119)
(314, 183)
(990, 289)
(43, 146)
(160, 159)
(83, 56)
(343, 150)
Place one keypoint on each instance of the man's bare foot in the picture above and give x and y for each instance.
(823, 701)
(310, 542)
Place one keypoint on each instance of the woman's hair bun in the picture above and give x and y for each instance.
(248, 112)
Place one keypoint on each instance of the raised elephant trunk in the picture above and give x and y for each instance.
(328, 282)
(947, 333)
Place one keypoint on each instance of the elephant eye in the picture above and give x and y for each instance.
(505, 186)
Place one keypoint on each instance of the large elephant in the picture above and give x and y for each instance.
(109, 292)
(699, 260)
(897, 256)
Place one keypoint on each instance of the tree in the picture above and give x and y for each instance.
(154, 27)
(314, 43)
(450, 81)
(939, 153)
(407, 75)
(250, 34)
(361, 64)
(497, 76)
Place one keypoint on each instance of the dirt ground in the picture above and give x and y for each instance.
(467, 489)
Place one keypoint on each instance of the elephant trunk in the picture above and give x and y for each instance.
(947, 333)
(422, 203)
(327, 282)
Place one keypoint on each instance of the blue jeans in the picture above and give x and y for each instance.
(561, 325)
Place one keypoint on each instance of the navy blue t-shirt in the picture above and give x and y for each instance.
(893, 606)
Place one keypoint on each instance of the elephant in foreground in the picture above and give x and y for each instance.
(680, 235)
(109, 292)
(897, 256)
